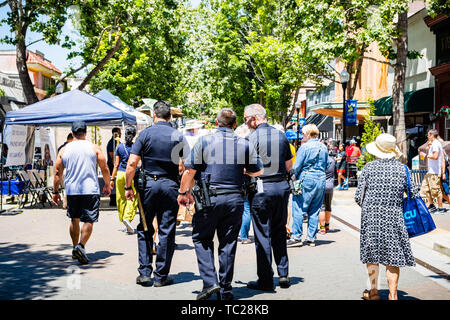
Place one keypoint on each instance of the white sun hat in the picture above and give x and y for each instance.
(193, 124)
(384, 147)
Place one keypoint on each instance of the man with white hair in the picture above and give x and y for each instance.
(269, 203)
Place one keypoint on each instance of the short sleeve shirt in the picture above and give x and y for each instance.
(123, 151)
(222, 157)
(162, 147)
(435, 166)
(273, 148)
(341, 164)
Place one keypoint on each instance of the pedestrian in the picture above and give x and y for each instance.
(111, 150)
(341, 162)
(292, 137)
(309, 168)
(431, 184)
(243, 131)
(325, 216)
(126, 209)
(160, 148)
(383, 236)
(353, 152)
(219, 158)
(80, 159)
(445, 188)
(269, 204)
(68, 140)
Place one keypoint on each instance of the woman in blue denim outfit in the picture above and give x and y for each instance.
(310, 166)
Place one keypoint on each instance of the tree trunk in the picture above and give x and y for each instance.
(97, 68)
(291, 113)
(398, 87)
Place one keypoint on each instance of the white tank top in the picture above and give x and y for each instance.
(80, 162)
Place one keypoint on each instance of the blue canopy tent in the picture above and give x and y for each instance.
(63, 109)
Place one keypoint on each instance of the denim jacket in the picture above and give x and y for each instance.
(312, 159)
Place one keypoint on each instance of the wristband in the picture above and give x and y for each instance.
(183, 193)
(128, 188)
(55, 192)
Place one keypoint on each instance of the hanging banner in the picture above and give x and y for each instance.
(351, 119)
(21, 146)
(48, 146)
(301, 123)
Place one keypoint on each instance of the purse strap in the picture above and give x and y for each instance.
(408, 182)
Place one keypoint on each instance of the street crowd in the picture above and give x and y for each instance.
(226, 180)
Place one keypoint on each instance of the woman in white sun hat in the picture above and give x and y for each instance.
(384, 238)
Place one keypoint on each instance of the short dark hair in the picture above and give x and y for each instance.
(115, 130)
(69, 136)
(226, 118)
(434, 132)
(162, 109)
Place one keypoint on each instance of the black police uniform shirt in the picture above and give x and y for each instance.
(273, 148)
(221, 158)
(162, 146)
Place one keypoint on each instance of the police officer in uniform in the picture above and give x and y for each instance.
(220, 159)
(269, 204)
(161, 148)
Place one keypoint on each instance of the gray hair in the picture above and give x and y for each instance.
(255, 109)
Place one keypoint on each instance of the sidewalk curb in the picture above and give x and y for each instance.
(442, 248)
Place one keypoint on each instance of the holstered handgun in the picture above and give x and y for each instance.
(200, 192)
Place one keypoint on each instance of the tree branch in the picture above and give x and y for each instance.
(34, 42)
(379, 61)
(2, 4)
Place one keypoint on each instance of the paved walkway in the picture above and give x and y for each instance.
(35, 263)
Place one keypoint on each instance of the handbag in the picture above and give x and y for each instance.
(298, 184)
(417, 218)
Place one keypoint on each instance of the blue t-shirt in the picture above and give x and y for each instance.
(123, 151)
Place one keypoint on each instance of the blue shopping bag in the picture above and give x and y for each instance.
(418, 219)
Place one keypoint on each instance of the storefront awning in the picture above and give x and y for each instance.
(415, 101)
(334, 109)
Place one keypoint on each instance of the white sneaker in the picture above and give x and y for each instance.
(128, 225)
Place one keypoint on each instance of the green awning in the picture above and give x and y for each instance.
(415, 101)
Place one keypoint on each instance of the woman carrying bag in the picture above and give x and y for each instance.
(127, 209)
(384, 237)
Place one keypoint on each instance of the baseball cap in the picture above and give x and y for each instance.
(78, 126)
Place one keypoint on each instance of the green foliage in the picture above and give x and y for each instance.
(438, 7)
(2, 93)
(371, 131)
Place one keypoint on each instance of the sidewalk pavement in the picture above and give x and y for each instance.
(432, 248)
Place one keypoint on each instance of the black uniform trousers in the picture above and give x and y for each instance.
(225, 216)
(158, 199)
(269, 215)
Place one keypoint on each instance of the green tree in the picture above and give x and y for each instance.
(44, 17)
(371, 132)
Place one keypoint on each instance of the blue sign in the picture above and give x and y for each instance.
(351, 119)
(301, 123)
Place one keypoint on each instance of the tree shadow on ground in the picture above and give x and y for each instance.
(28, 273)
(184, 233)
(183, 246)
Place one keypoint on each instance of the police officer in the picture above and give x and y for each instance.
(268, 205)
(220, 159)
(160, 148)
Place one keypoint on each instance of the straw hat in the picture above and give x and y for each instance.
(193, 124)
(384, 147)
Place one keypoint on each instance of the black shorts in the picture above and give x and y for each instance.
(83, 207)
(327, 201)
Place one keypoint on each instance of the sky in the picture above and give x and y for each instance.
(56, 54)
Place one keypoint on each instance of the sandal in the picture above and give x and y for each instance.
(368, 296)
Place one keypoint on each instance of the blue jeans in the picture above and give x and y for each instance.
(309, 203)
(246, 218)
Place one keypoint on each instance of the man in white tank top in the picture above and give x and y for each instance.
(80, 158)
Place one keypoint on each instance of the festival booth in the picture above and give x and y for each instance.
(60, 111)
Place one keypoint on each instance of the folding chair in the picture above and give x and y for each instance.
(30, 187)
(40, 183)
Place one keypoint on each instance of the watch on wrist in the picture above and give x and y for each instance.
(183, 193)
(55, 192)
(128, 188)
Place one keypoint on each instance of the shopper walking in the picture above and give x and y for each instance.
(309, 167)
(341, 162)
(384, 238)
(127, 209)
(80, 159)
(431, 185)
(325, 216)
